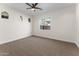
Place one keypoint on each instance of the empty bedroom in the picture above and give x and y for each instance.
(39, 29)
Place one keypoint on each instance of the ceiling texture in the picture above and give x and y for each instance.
(45, 7)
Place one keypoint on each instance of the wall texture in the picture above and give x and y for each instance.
(13, 28)
(62, 25)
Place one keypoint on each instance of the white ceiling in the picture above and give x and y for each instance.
(45, 6)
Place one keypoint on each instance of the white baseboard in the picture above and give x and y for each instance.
(55, 38)
(4, 42)
(77, 43)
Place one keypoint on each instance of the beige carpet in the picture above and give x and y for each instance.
(36, 46)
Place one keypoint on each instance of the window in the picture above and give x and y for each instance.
(45, 23)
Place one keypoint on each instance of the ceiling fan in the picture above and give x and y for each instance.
(33, 6)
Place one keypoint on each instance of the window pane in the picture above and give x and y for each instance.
(45, 23)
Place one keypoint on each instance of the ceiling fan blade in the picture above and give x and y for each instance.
(38, 8)
(28, 4)
(36, 4)
(33, 6)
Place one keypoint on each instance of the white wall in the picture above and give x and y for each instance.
(77, 24)
(62, 25)
(13, 28)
